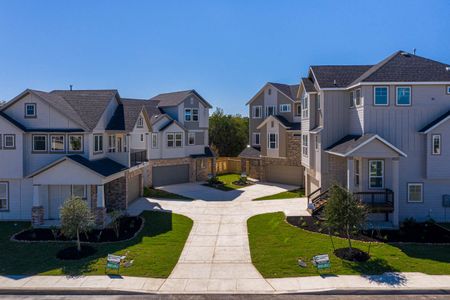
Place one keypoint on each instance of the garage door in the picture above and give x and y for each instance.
(134, 188)
(285, 174)
(170, 175)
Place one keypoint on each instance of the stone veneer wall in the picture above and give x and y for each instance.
(116, 194)
(204, 167)
(337, 172)
(254, 167)
(37, 215)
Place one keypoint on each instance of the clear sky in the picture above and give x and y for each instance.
(226, 50)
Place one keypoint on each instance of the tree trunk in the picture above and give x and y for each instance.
(78, 241)
(349, 240)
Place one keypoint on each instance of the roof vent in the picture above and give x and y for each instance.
(334, 82)
(406, 54)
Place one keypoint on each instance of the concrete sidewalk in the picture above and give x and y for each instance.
(317, 284)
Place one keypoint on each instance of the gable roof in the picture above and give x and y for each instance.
(175, 98)
(435, 123)
(250, 152)
(326, 76)
(283, 121)
(405, 67)
(89, 105)
(12, 121)
(308, 85)
(350, 143)
(288, 90)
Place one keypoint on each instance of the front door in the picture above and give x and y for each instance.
(57, 194)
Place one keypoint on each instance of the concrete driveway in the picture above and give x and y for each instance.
(216, 257)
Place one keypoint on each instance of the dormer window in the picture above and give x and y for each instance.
(30, 110)
(140, 122)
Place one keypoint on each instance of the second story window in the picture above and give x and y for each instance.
(112, 143)
(194, 114)
(187, 115)
(305, 145)
(271, 110)
(403, 95)
(98, 143)
(298, 109)
(39, 143)
(436, 144)
(30, 110)
(256, 139)
(381, 95)
(355, 98)
(305, 110)
(140, 122)
(257, 112)
(285, 108)
(76, 143)
(318, 101)
(57, 143)
(154, 140)
(272, 141)
(191, 138)
(357, 171)
(174, 140)
(9, 141)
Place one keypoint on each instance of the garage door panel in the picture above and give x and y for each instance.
(166, 175)
(284, 174)
(134, 188)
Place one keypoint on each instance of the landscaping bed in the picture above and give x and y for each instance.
(128, 228)
(409, 231)
(228, 182)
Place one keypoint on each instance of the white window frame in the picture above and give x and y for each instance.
(396, 95)
(275, 142)
(175, 137)
(305, 145)
(256, 108)
(98, 143)
(46, 142)
(140, 122)
(382, 175)
(142, 137)
(357, 97)
(34, 110)
(375, 95)
(436, 137)
(298, 109)
(285, 108)
(357, 172)
(187, 113)
(411, 184)
(84, 196)
(274, 110)
(111, 143)
(305, 107)
(256, 134)
(154, 141)
(191, 134)
(5, 143)
(318, 106)
(63, 142)
(5, 199)
(195, 115)
(69, 144)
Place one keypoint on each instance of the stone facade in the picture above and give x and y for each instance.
(204, 167)
(37, 215)
(293, 149)
(116, 194)
(252, 167)
(337, 166)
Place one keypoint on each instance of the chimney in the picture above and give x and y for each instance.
(414, 51)
(70, 87)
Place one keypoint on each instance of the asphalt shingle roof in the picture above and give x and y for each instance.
(127, 113)
(348, 143)
(105, 166)
(250, 152)
(309, 85)
(208, 153)
(175, 98)
(289, 125)
(289, 90)
(436, 121)
(343, 75)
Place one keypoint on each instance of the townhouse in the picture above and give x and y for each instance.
(274, 135)
(99, 146)
(383, 132)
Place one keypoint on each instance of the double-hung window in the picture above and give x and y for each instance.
(271, 110)
(140, 122)
(272, 140)
(257, 112)
(174, 140)
(154, 140)
(376, 174)
(112, 143)
(191, 138)
(381, 95)
(195, 115)
(285, 108)
(75, 143)
(57, 143)
(305, 145)
(98, 143)
(256, 139)
(9, 141)
(188, 115)
(403, 95)
(39, 143)
(305, 110)
(318, 101)
(436, 144)
(415, 192)
(4, 196)
(79, 191)
(30, 110)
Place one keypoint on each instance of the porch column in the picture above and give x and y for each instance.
(37, 211)
(100, 210)
(350, 174)
(395, 189)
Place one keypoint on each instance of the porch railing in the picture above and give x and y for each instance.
(137, 156)
(377, 201)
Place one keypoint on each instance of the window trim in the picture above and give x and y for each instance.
(140, 122)
(432, 144)
(112, 143)
(382, 175)
(447, 89)
(189, 138)
(4, 142)
(357, 172)
(185, 115)
(6, 183)
(194, 114)
(254, 111)
(84, 197)
(305, 145)
(26, 115)
(69, 144)
(274, 110)
(387, 95)
(46, 143)
(50, 143)
(174, 139)
(304, 103)
(285, 105)
(100, 148)
(421, 192)
(154, 139)
(410, 95)
(269, 141)
(298, 110)
(254, 138)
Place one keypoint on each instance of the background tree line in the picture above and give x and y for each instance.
(228, 134)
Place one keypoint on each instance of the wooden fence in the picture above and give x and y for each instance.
(228, 165)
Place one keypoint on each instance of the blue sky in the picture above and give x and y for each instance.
(226, 50)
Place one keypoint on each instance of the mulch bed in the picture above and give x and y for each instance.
(129, 226)
(71, 253)
(239, 183)
(408, 233)
(356, 254)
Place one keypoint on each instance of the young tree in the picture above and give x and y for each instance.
(344, 213)
(76, 218)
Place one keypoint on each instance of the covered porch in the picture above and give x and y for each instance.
(369, 167)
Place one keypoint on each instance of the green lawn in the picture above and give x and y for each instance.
(155, 250)
(228, 180)
(156, 193)
(275, 247)
(284, 195)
